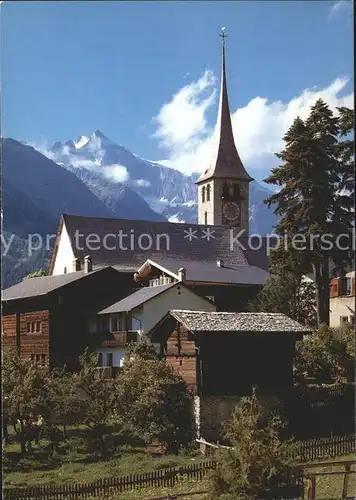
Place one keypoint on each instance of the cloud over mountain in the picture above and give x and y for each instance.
(184, 133)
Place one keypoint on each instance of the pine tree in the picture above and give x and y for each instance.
(312, 202)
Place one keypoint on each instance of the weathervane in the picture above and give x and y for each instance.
(223, 35)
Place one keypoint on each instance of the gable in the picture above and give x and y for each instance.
(179, 295)
(63, 255)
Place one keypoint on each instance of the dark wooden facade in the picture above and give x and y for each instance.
(62, 313)
(230, 363)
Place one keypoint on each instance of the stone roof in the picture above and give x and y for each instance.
(201, 321)
(33, 287)
(137, 298)
(170, 241)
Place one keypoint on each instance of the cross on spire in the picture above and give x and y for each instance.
(223, 35)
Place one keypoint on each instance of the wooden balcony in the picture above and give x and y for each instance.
(117, 339)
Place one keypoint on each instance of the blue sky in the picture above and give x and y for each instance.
(147, 73)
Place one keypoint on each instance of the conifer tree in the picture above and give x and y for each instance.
(314, 174)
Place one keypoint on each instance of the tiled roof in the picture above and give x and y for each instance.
(210, 272)
(32, 287)
(200, 321)
(137, 298)
(170, 241)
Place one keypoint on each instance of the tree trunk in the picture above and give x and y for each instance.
(326, 291)
(22, 438)
(318, 292)
(5, 433)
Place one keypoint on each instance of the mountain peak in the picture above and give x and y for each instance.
(98, 133)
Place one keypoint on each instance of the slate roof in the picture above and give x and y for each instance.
(41, 286)
(211, 272)
(200, 321)
(200, 249)
(137, 298)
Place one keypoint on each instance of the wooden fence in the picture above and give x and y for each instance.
(326, 447)
(156, 479)
(306, 450)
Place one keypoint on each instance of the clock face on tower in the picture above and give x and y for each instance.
(231, 213)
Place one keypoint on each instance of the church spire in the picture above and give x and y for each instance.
(226, 162)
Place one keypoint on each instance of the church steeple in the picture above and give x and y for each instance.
(226, 162)
(223, 188)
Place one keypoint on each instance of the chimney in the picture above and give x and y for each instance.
(181, 274)
(88, 267)
(219, 263)
(76, 265)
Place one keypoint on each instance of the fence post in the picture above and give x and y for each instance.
(346, 480)
(311, 488)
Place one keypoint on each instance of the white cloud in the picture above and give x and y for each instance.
(258, 127)
(338, 6)
(142, 182)
(117, 173)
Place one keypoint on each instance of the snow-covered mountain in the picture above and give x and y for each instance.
(109, 170)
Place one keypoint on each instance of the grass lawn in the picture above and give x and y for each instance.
(152, 493)
(75, 465)
(82, 471)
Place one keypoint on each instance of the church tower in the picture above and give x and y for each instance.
(223, 189)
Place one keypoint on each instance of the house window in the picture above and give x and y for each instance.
(34, 327)
(352, 319)
(208, 192)
(344, 319)
(92, 325)
(33, 357)
(115, 324)
(38, 358)
(43, 359)
(348, 286)
(203, 194)
(109, 359)
(65, 271)
(206, 218)
(100, 359)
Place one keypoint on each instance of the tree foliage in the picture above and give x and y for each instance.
(259, 463)
(37, 274)
(155, 402)
(328, 354)
(314, 201)
(287, 290)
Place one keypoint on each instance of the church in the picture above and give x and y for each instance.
(216, 251)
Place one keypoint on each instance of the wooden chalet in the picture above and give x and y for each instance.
(226, 354)
(45, 319)
(222, 356)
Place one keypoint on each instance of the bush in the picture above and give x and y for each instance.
(259, 464)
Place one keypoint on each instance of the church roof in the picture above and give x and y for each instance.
(99, 238)
(225, 162)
